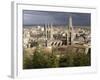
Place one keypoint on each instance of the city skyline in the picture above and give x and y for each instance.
(48, 46)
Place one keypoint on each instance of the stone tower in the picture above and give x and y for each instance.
(70, 31)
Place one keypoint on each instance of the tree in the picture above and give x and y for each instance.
(39, 59)
(52, 61)
(82, 59)
(66, 61)
(44, 60)
(27, 61)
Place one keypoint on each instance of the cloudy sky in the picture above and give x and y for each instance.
(31, 17)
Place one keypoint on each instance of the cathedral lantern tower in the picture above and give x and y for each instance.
(70, 31)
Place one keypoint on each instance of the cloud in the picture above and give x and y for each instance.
(31, 17)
